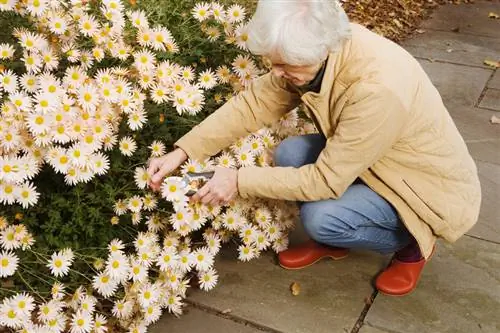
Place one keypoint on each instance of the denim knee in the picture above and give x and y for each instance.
(285, 152)
(315, 220)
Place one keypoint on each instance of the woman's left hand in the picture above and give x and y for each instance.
(220, 189)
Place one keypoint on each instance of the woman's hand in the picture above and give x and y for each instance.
(220, 189)
(159, 167)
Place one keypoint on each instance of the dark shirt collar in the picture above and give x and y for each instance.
(315, 84)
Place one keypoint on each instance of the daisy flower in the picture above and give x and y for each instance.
(120, 207)
(203, 259)
(127, 146)
(99, 163)
(218, 12)
(7, 5)
(8, 238)
(207, 79)
(167, 259)
(151, 314)
(173, 304)
(9, 316)
(29, 82)
(57, 25)
(157, 148)
(187, 73)
(49, 310)
(31, 41)
(82, 322)
(88, 97)
(280, 244)
(26, 195)
(36, 7)
(223, 74)
(57, 324)
(235, 13)
(57, 291)
(138, 271)
(100, 324)
(88, 25)
(9, 138)
(50, 60)
(213, 33)
(123, 309)
(241, 34)
(6, 50)
(161, 36)
(8, 264)
(105, 285)
(136, 119)
(226, 160)
(8, 81)
(75, 76)
(138, 19)
(173, 189)
(60, 263)
(148, 294)
(208, 279)
(186, 261)
(135, 204)
(201, 11)
(245, 158)
(118, 266)
(159, 93)
(144, 60)
(246, 252)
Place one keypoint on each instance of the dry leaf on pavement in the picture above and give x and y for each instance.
(295, 288)
(493, 15)
(492, 63)
(495, 120)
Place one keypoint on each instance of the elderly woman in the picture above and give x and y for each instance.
(389, 171)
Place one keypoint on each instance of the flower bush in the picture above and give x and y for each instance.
(89, 91)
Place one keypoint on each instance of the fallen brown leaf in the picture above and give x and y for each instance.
(495, 120)
(493, 15)
(295, 288)
(492, 63)
(227, 311)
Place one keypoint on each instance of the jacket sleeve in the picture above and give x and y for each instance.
(368, 126)
(264, 102)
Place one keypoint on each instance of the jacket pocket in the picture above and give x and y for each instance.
(428, 211)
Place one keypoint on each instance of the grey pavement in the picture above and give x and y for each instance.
(460, 287)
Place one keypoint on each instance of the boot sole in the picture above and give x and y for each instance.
(319, 259)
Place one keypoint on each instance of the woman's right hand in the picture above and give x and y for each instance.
(159, 167)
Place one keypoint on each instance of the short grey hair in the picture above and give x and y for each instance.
(300, 32)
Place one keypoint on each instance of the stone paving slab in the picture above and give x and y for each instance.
(459, 292)
(370, 329)
(495, 81)
(452, 47)
(468, 18)
(488, 226)
(491, 100)
(458, 85)
(198, 321)
(332, 293)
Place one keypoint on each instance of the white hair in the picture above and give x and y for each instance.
(299, 32)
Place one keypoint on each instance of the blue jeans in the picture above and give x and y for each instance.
(359, 219)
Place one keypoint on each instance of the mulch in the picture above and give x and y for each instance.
(394, 19)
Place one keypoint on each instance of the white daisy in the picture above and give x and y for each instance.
(136, 119)
(8, 81)
(173, 304)
(127, 146)
(138, 19)
(105, 285)
(207, 79)
(208, 279)
(60, 263)
(8, 238)
(118, 266)
(152, 313)
(6, 51)
(99, 163)
(235, 13)
(148, 294)
(8, 264)
(246, 252)
(82, 322)
(120, 207)
(58, 25)
(49, 310)
(88, 25)
(57, 291)
(203, 259)
(26, 195)
(218, 12)
(88, 97)
(7, 5)
(138, 271)
(9, 316)
(173, 189)
(100, 324)
(36, 7)
(201, 11)
(123, 309)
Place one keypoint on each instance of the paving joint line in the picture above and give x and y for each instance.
(382, 328)
(359, 323)
(483, 93)
(429, 59)
(233, 318)
(460, 33)
(483, 239)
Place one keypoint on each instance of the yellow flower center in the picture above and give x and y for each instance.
(44, 103)
(25, 194)
(147, 295)
(105, 279)
(5, 262)
(200, 257)
(58, 263)
(115, 264)
(63, 159)
(80, 322)
(136, 270)
(87, 97)
(9, 189)
(58, 25)
(11, 314)
(87, 26)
